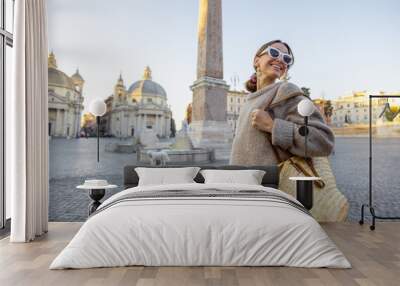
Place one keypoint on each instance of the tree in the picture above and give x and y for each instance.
(306, 91)
(328, 108)
(189, 113)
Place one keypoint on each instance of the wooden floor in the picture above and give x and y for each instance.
(375, 257)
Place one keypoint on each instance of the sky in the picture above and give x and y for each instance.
(339, 46)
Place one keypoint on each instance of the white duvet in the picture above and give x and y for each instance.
(200, 231)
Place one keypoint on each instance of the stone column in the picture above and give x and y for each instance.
(209, 127)
(138, 122)
(168, 127)
(78, 121)
(164, 124)
(124, 123)
(121, 117)
(120, 122)
(127, 126)
(158, 124)
(65, 123)
(58, 123)
(132, 119)
(162, 131)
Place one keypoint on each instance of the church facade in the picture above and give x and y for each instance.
(65, 101)
(143, 105)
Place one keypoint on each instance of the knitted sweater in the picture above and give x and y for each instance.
(251, 146)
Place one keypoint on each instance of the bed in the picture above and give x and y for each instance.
(201, 224)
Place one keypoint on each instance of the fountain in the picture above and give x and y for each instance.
(180, 151)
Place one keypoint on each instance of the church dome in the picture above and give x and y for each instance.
(57, 77)
(147, 86)
(76, 77)
(60, 79)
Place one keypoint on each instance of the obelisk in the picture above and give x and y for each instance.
(209, 127)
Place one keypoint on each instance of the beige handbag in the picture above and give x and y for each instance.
(329, 203)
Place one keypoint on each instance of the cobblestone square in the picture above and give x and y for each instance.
(72, 161)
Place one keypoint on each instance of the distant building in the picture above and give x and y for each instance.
(65, 101)
(142, 105)
(235, 101)
(325, 107)
(354, 108)
(105, 120)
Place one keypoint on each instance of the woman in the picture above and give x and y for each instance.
(250, 145)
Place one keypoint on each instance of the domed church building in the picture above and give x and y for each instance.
(65, 101)
(142, 105)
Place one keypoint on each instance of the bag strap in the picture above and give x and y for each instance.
(319, 183)
(298, 167)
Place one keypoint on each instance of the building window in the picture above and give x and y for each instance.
(6, 44)
(149, 100)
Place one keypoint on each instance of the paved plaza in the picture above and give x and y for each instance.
(73, 161)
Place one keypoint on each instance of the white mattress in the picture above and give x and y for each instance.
(200, 231)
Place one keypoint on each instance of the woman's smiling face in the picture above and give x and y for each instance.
(270, 67)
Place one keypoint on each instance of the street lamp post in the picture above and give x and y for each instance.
(98, 108)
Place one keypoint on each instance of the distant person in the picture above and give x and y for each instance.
(251, 145)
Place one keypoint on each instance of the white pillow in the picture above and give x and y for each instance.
(249, 177)
(164, 176)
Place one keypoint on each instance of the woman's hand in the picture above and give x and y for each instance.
(261, 120)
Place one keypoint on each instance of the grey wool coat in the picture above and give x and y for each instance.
(251, 146)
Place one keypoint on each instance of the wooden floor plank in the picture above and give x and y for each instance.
(375, 257)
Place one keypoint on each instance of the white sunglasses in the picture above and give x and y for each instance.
(277, 54)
